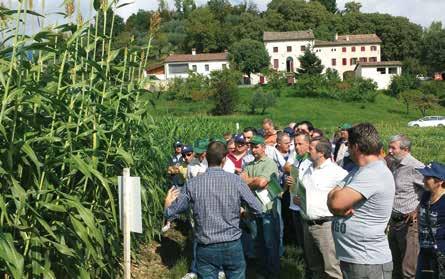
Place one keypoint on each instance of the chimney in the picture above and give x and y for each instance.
(347, 38)
(336, 36)
(225, 50)
(193, 51)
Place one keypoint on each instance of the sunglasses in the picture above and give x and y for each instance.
(187, 154)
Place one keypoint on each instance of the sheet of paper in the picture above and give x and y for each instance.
(135, 210)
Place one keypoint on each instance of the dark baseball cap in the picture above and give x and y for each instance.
(239, 138)
(178, 143)
(186, 149)
(433, 169)
(289, 131)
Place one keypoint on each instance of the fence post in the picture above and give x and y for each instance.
(126, 222)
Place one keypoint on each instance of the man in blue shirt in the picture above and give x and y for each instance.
(215, 198)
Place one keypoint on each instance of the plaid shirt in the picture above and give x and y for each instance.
(215, 198)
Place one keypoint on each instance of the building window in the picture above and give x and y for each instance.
(353, 61)
(275, 49)
(224, 66)
(363, 59)
(353, 49)
(363, 48)
(381, 70)
(289, 48)
(373, 48)
(206, 67)
(303, 48)
(345, 61)
(178, 68)
(334, 62)
(343, 49)
(392, 70)
(372, 59)
(194, 68)
(275, 63)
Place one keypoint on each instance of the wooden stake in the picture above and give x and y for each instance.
(126, 222)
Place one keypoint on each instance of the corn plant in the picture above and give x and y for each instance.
(70, 120)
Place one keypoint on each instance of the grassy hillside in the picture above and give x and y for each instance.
(387, 113)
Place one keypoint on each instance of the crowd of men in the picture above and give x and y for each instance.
(350, 207)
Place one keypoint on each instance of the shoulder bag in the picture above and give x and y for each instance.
(439, 256)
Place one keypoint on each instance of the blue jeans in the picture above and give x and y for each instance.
(227, 255)
(269, 243)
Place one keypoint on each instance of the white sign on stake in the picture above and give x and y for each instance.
(134, 209)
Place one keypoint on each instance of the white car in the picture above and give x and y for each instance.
(428, 121)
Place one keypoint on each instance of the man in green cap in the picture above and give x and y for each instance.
(199, 164)
(261, 175)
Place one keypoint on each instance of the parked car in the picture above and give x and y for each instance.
(428, 121)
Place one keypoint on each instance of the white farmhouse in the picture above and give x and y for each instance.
(178, 65)
(346, 51)
(342, 54)
(284, 48)
(380, 72)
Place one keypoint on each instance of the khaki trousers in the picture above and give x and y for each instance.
(319, 249)
(404, 244)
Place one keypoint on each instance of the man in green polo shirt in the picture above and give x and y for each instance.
(261, 176)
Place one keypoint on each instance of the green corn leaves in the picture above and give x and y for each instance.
(72, 117)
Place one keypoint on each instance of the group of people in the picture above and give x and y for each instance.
(353, 209)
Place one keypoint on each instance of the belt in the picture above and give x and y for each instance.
(319, 222)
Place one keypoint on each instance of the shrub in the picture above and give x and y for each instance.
(329, 85)
(224, 89)
(436, 88)
(276, 81)
(403, 83)
(193, 88)
(261, 100)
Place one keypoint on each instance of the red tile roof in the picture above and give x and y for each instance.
(381, 63)
(351, 40)
(288, 36)
(222, 56)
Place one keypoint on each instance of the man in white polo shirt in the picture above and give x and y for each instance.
(319, 179)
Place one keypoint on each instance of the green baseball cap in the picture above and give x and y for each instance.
(218, 139)
(200, 146)
(345, 126)
(257, 140)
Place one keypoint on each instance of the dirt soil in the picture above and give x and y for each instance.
(157, 258)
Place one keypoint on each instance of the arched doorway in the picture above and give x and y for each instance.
(290, 65)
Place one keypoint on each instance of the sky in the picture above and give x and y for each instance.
(422, 12)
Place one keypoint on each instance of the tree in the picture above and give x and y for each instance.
(352, 7)
(433, 53)
(403, 83)
(261, 100)
(249, 56)
(409, 97)
(331, 5)
(310, 63)
(224, 87)
(202, 29)
(413, 67)
(424, 102)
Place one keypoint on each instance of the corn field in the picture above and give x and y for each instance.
(71, 118)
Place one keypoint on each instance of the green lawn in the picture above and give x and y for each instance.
(387, 114)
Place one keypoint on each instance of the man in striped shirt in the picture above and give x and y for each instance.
(215, 198)
(403, 229)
